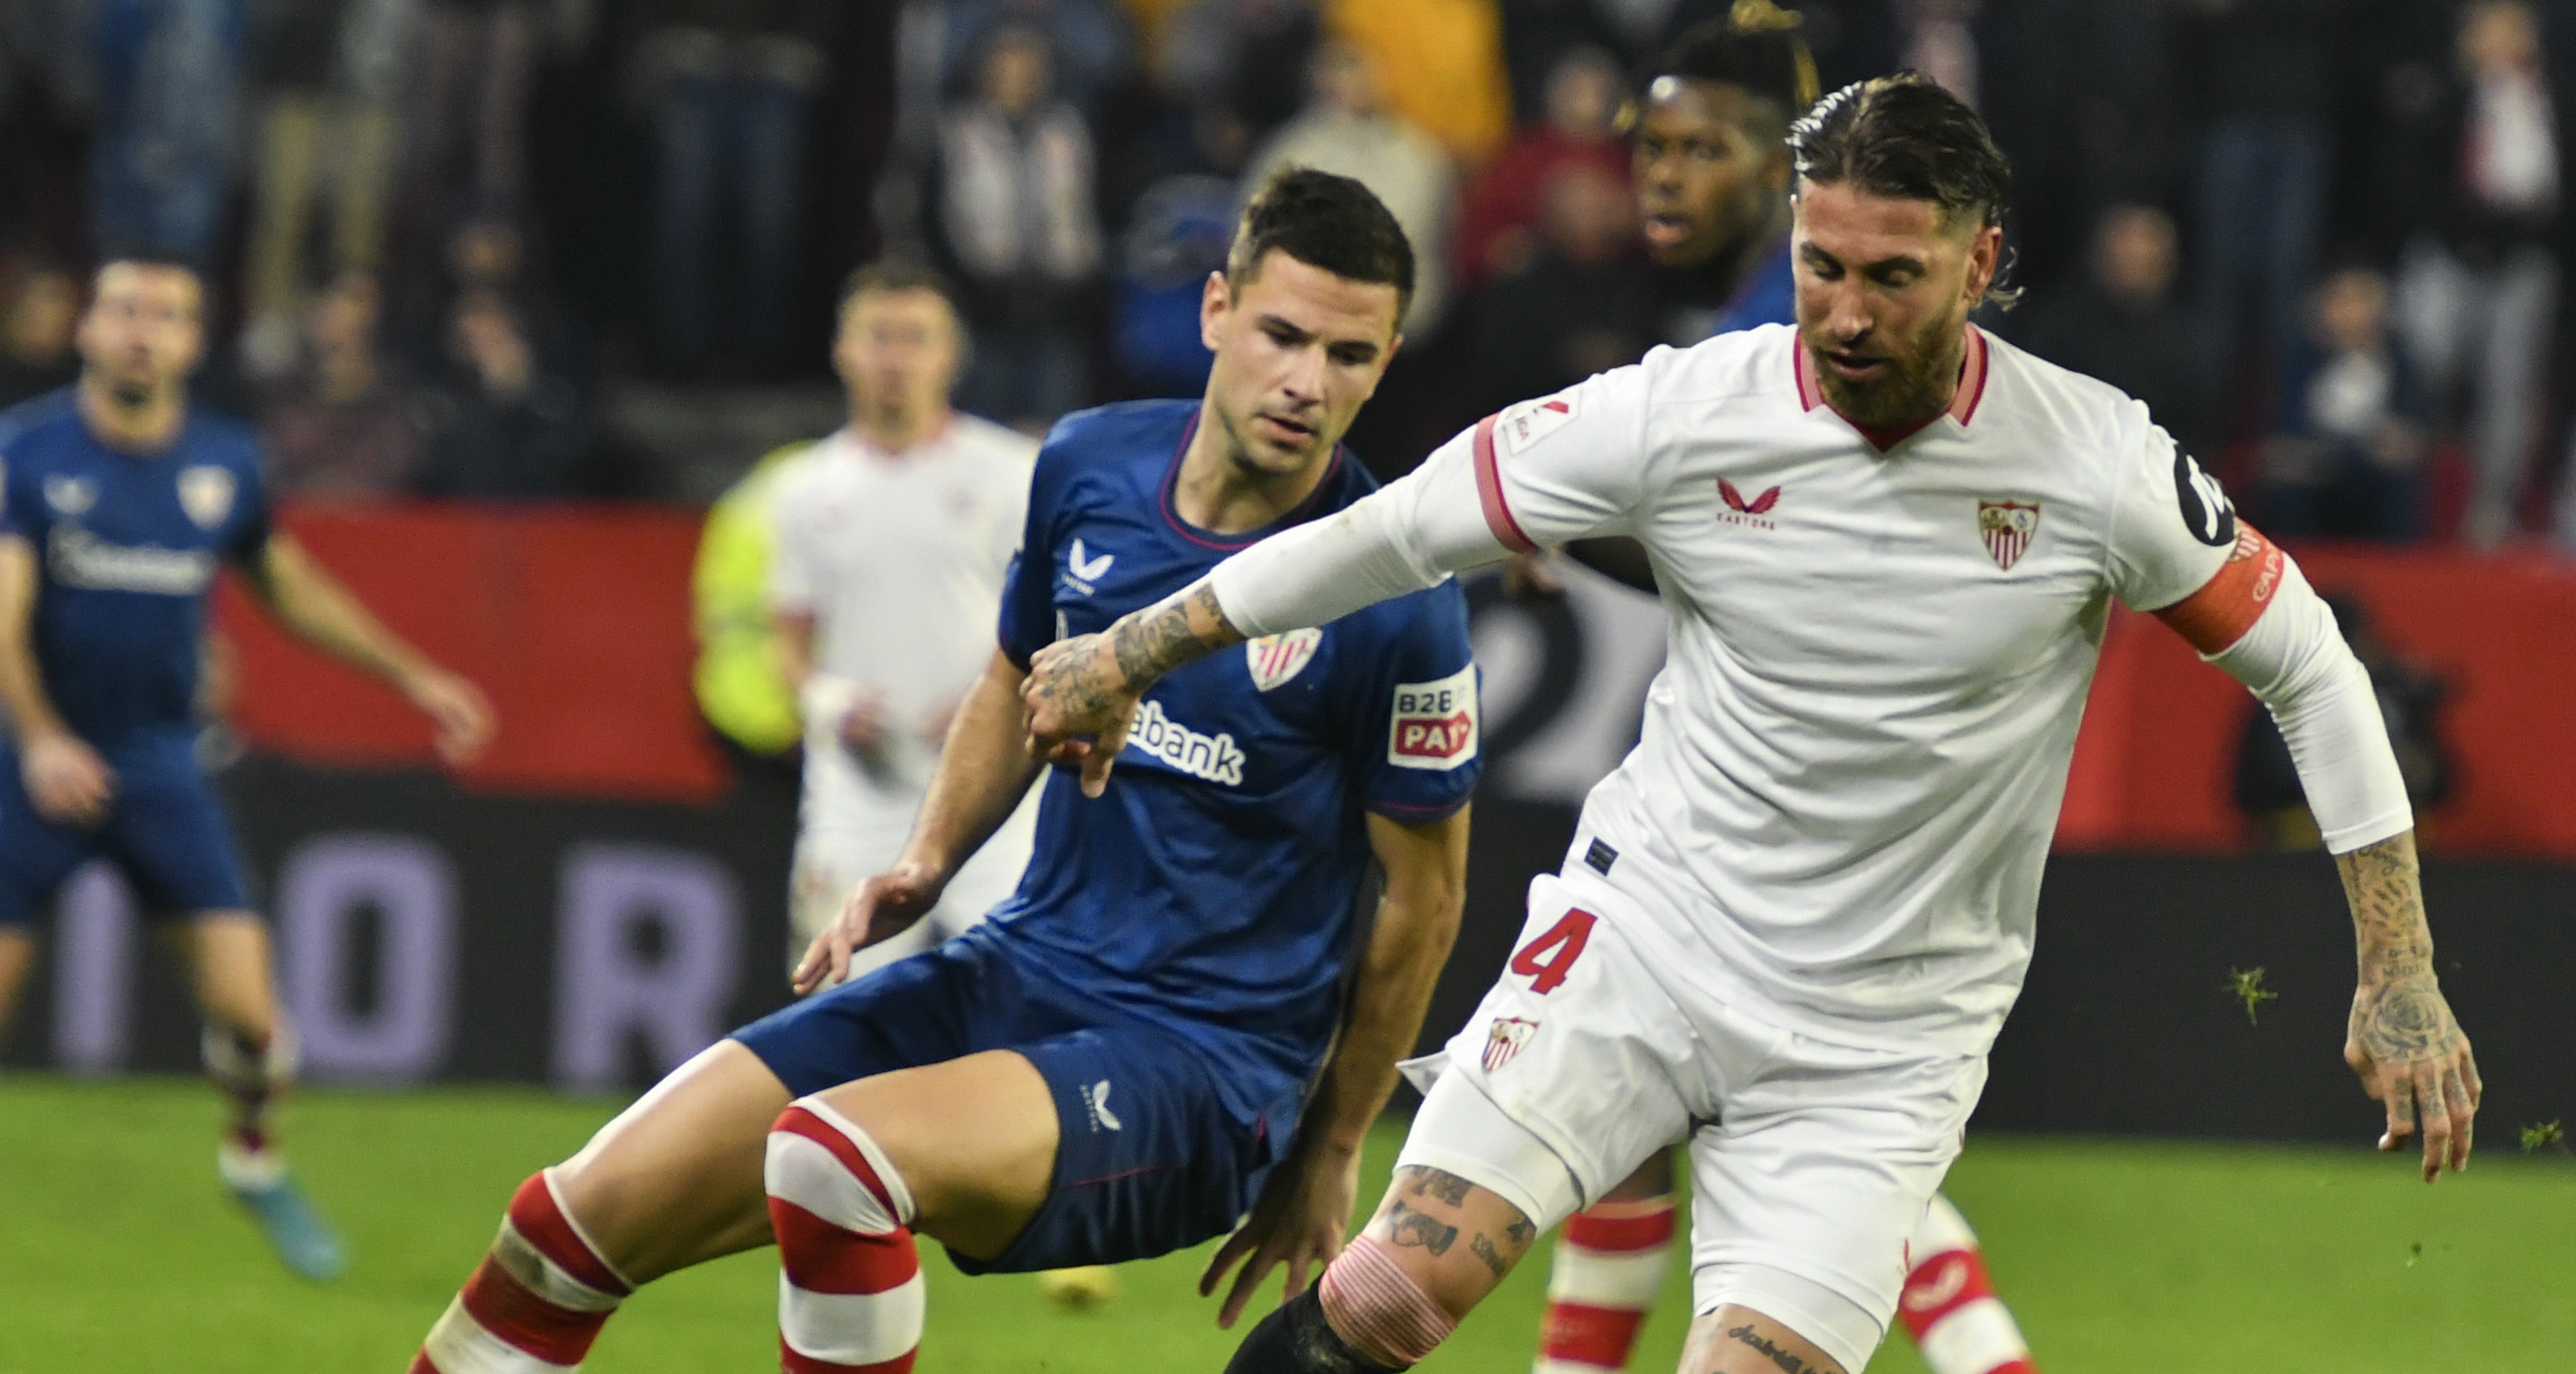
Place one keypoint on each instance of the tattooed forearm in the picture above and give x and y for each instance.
(1158, 639)
(1410, 1227)
(1788, 1363)
(2387, 896)
(1449, 1188)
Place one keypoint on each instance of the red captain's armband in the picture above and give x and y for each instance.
(2219, 614)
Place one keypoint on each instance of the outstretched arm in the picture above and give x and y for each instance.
(318, 609)
(1306, 1209)
(982, 774)
(2404, 1043)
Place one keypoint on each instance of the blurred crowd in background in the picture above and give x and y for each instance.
(492, 248)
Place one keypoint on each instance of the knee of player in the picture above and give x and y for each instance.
(821, 1163)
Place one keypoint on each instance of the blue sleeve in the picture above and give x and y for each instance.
(252, 521)
(1028, 588)
(20, 512)
(1416, 748)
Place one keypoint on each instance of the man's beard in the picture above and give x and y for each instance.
(1917, 383)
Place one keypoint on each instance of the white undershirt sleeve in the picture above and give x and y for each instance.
(2297, 664)
(1400, 539)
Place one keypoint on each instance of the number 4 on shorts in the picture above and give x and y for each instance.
(1566, 938)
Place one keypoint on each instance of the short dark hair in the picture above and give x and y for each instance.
(887, 276)
(1758, 52)
(1327, 221)
(1903, 136)
(158, 261)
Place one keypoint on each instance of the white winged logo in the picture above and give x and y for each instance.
(1085, 573)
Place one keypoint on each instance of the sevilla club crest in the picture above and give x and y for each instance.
(1505, 1040)
(2007, 527)
(206, 494)
(1276, 658)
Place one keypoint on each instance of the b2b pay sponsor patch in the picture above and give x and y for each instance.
(1434, 723)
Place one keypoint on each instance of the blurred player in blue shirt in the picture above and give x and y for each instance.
(118, 504)
(1175, 1021)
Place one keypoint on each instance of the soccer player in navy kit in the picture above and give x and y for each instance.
(1171, 1023)
(118, 503)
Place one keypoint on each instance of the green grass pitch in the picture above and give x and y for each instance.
(118, 1255)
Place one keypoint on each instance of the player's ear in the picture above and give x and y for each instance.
(1985, 254)
(1214, 302)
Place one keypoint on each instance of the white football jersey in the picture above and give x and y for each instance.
(899, 558)
(1852, 760)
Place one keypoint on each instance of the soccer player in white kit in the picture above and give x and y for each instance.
(1791, 923)
(893, 537)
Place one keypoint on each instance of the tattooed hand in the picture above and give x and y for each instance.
(1089, 685)
(2403, 1041)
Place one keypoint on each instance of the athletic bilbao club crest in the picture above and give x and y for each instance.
(206, 494)
(1505, 1040)
(1276, 658)
(2007, 527)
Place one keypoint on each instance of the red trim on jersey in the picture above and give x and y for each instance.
(2215, 617)
(1489, 492)
(1971, 390)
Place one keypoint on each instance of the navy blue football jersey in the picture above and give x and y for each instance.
(1216, 882)
(127, 547)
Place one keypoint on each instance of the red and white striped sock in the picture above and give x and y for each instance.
(849, 1283)
(1949, 1303)
(535, 1303)
(1609, 1267)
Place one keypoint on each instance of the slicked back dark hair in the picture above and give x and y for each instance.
(1762, 56)
(1326, 221)
(1903, 136)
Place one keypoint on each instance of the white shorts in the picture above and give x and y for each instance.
(1811, 1162)
(830, 865)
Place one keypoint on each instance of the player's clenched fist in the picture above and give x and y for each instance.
(883, 907)
(66, 779)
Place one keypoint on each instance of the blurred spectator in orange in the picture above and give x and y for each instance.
(1580, 303)
(2257, 70)
(2348, 458)
(346, 424)
(36, 322)
(504, 428)
(1014, 191)
(2410, 702)
(1348, 130)
(1496, 224)
(1438, 65)
(1537, 36)
(728, 86)
(2478, 289)
(2120, 323)
(328, 77)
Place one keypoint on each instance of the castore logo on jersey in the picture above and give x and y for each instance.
(1085, 572)
(1739, 511)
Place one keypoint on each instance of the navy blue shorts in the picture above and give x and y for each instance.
(165, 830)
(1149, 1159)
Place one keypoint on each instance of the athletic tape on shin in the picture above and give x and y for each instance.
(1378, 1307)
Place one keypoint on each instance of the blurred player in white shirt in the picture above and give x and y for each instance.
(893, 537)
(1791, 923)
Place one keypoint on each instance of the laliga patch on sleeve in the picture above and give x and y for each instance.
(1525, 423)
(1434, 723)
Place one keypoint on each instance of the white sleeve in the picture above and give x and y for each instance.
(2296, 662)
(791, 562)
(2171, 523)
(1535, 474)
